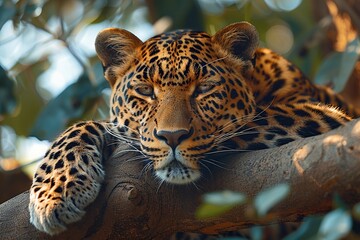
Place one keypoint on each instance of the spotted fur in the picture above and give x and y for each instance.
(178, 97)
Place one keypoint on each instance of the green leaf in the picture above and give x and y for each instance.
(335, 225)
(348, 61)
(71, 104)
(104, 14)
(185, 15)
(270, 197)
(338, 202)
(308, 229)
(7, 12)
(7, 93)
(233, 238)
(217, 203)
(256, 233)
(356, 211)
(207, 210)
(338, 66)
(29, 101)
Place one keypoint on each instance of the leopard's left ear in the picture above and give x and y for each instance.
(114, 47)
(239, 39)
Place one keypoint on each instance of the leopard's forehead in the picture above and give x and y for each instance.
(181, 43)
(180, 37)
(175, 58)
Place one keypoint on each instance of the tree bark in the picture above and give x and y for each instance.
(132, 205)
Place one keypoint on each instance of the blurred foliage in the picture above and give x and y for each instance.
(268, 198)
(186, 15)
(29, 102)
(337, 67)
(334, 225)
(7, 93)
(43, 28)
(70, 104)
(217, 203)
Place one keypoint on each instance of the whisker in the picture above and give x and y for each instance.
(117, 153)
(238, 128)
(229, 135)
(247, 117)
(197, 68)
(233, 121)
(207, 168)
(122, 136)
(118, 126)
(196, 186)
(214, 61)
(214, 162)
(242, 131)
(147, 167)
(120, 141)
(228, 151)
(160, 184)
(115, 130)
(137, 158)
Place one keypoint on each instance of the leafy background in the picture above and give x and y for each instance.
(50, 76)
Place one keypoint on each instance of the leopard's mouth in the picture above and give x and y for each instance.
(177, 173)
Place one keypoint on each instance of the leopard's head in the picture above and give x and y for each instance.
(181, 94)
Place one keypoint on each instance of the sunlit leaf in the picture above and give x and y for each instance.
(32, 9)
(335, 225)
(338, 66)
(224, 197)
(283, 5)
(217, 203)
(7, 93)
(49, 9)
(270, 197)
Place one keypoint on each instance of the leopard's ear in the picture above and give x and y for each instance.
(114, 47)
(239, 39)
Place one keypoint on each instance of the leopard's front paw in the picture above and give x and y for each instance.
(59, 197)
(53, 206)
(52, 215)
(68, 179)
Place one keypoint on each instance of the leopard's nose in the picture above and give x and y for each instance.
(173, 138)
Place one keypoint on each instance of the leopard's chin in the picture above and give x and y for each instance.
(177, 173)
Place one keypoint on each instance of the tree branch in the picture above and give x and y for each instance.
(131, 204)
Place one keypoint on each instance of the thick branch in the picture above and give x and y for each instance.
(131, 205)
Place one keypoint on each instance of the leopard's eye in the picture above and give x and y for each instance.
(145, 90)
(205, 87)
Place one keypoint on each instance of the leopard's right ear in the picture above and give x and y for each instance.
(114, 47)
(239, 39)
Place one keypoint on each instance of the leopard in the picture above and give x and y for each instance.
(177, 97)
